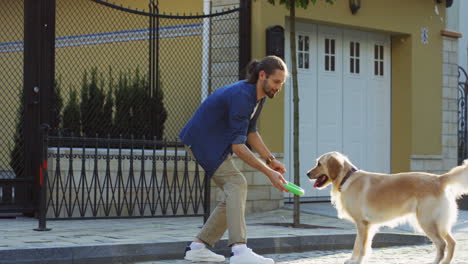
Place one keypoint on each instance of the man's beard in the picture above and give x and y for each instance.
(269, 92)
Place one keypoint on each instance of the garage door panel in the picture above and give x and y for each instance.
(330, 109)
(355, 152)
(344, 99)
(379, 103)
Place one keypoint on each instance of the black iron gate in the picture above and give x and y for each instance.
(462, 115)
(97, 70)
(16, 186)
(462, 123)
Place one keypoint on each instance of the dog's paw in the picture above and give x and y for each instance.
(351, 261)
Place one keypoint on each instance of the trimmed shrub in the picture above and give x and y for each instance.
(71, 116)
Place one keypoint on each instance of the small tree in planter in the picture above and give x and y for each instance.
(138, 114)
(71, 116)
(17, 154)
(56, 105)
(92, 105)
(107, 123)
(123, 108)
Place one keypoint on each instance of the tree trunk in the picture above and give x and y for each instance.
(292, 40)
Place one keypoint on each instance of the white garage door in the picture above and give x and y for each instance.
(344, 93)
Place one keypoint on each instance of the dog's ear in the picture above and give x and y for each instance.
(334, 168)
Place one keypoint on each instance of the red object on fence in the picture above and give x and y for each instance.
(41, 170)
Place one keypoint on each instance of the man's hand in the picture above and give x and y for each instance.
(277, 180)
(277, 166)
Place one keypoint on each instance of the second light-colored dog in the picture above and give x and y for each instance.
(371, 200)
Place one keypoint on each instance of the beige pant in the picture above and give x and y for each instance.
(229, 214)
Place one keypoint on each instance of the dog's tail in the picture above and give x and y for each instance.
(457, 179)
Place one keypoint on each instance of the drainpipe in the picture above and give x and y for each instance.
(205, 85)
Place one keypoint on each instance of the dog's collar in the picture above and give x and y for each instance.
(345, 178)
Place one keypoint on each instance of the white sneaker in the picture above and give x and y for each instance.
(250, 257)
(203, 254)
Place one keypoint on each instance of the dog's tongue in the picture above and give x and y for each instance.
(319, 181)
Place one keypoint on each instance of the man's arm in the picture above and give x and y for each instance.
(255, 140)
(244, 153)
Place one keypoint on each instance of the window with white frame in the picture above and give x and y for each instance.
(303, 52)
(330, 55)
(378, 60)
(354, 57)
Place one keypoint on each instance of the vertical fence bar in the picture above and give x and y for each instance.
(130, 180)
(153, 183)
(165, 183)
(141, 187)
(69, 207)
(83, 181)
(463, 86)
(186, 184)
(465, 123)
(119, 181)
(175, 183)
(245, 31)
(108, 180)
(44, 131)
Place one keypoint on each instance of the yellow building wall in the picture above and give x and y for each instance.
(180, 57)
(82, 17)
(416, 68)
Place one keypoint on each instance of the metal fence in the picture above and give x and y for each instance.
(151, 178)
(15, 187)
(117, 72)
(462, 115)
(124, 72)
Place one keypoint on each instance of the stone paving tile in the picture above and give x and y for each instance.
(19, 232)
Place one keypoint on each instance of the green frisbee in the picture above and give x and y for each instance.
(294, 188)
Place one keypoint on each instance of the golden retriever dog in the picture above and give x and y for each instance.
(370, 200)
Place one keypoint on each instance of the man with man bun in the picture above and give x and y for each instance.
(223, 124)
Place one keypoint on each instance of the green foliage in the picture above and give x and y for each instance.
(107, 122)
(124, 108)
(56, 104)
(71, 116)
(92, 105)
(123, 112)
(139, 110)
(17, 153)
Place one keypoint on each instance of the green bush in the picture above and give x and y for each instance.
(71, 116)
(17, 154)
(139, 112)
(92, 105)
(126, 108)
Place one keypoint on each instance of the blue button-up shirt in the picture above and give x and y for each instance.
(223, 119)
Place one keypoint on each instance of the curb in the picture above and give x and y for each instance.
(129, 253)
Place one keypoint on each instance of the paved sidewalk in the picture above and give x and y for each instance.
(151, 239)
